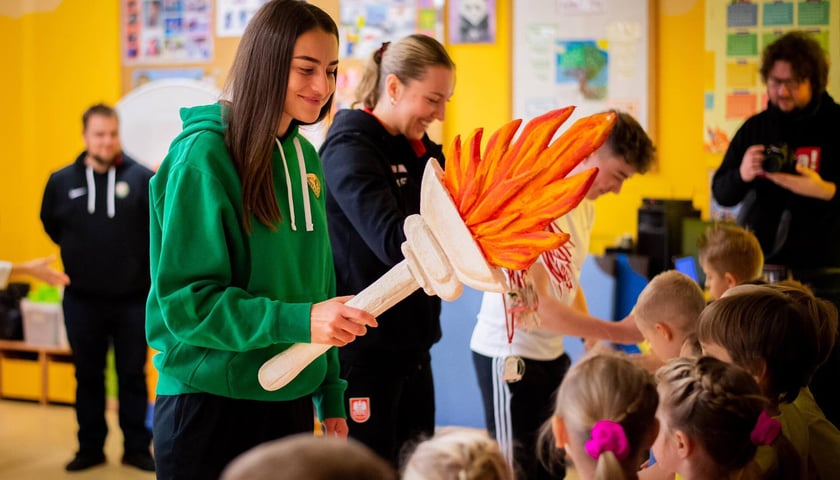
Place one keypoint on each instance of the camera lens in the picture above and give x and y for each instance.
(777, 159)
(772, 162)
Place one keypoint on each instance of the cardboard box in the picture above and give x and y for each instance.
(43, 324)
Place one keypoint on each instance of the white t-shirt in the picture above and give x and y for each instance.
(489, 336)
(5, 270)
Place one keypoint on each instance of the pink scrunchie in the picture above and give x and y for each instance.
(608, 436)
(766, 430)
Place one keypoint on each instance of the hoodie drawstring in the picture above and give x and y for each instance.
(304, 185)
(91, 190)
(112, 180)
(288, 185)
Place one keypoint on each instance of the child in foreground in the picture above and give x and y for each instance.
(666, 314)
(775, 339)
(604, 417)
(712, 421)
(312, 458)
(458, 454)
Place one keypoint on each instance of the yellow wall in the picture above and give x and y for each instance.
(678, 120)
(483, 99)
(60, 62)
(483, 83)
(69, 58)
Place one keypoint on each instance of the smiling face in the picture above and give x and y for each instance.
(613, 170)
(311, 77)
(102, 138)
(418, 103)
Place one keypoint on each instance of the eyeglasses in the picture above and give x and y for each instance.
(790, 83)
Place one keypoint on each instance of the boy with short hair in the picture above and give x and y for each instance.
(666, 314)
(729, 255)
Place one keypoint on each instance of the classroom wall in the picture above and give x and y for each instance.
(55, 64)
(678, 124)
(69, 57)
(482, 83)
(482, 98)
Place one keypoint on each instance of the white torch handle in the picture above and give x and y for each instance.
(387, 291)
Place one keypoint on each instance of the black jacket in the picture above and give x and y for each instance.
(373, 183)
(795, 231)
(104, 244)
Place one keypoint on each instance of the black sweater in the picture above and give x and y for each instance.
(373, 183)
(813, 228)
(105, 251)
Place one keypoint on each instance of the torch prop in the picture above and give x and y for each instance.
(477, 216)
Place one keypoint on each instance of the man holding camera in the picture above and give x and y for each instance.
(783, 166)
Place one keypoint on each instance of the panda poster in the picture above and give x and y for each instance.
(472, 21)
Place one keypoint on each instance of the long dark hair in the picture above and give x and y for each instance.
(256, 93)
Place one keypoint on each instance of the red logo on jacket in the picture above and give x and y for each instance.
(360, 409)
(808, 157)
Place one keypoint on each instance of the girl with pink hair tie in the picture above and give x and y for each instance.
(604, 417)
(713, 425)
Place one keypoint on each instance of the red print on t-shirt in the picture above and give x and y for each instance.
(808, 157)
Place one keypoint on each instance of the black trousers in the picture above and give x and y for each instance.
(515, 412)
(197, 435)
(92, 327)
(401, 400)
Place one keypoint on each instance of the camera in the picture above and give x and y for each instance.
(778, 158)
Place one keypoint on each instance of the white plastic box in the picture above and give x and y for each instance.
(43, 324)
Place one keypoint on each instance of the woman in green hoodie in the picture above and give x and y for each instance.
(240, 256)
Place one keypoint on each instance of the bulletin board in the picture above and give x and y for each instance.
(215, 67)
(736, 34)
(593, 54)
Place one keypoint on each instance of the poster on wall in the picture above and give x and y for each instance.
(161, 31)
(472, 21)
(143, 76)
(592, 54)
(364, 25)
(736, 34)
(232, 16)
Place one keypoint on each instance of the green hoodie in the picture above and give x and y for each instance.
(223, 302)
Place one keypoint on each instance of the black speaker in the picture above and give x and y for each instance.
(659, 234)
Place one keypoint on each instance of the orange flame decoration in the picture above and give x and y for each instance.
(508, 198)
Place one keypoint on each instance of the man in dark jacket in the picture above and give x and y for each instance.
(784, 166)
(97, 211)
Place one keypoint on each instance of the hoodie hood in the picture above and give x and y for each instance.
(111, 188)
(202, 118)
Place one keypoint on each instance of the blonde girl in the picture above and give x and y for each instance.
(605, 417)
(458, 454)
